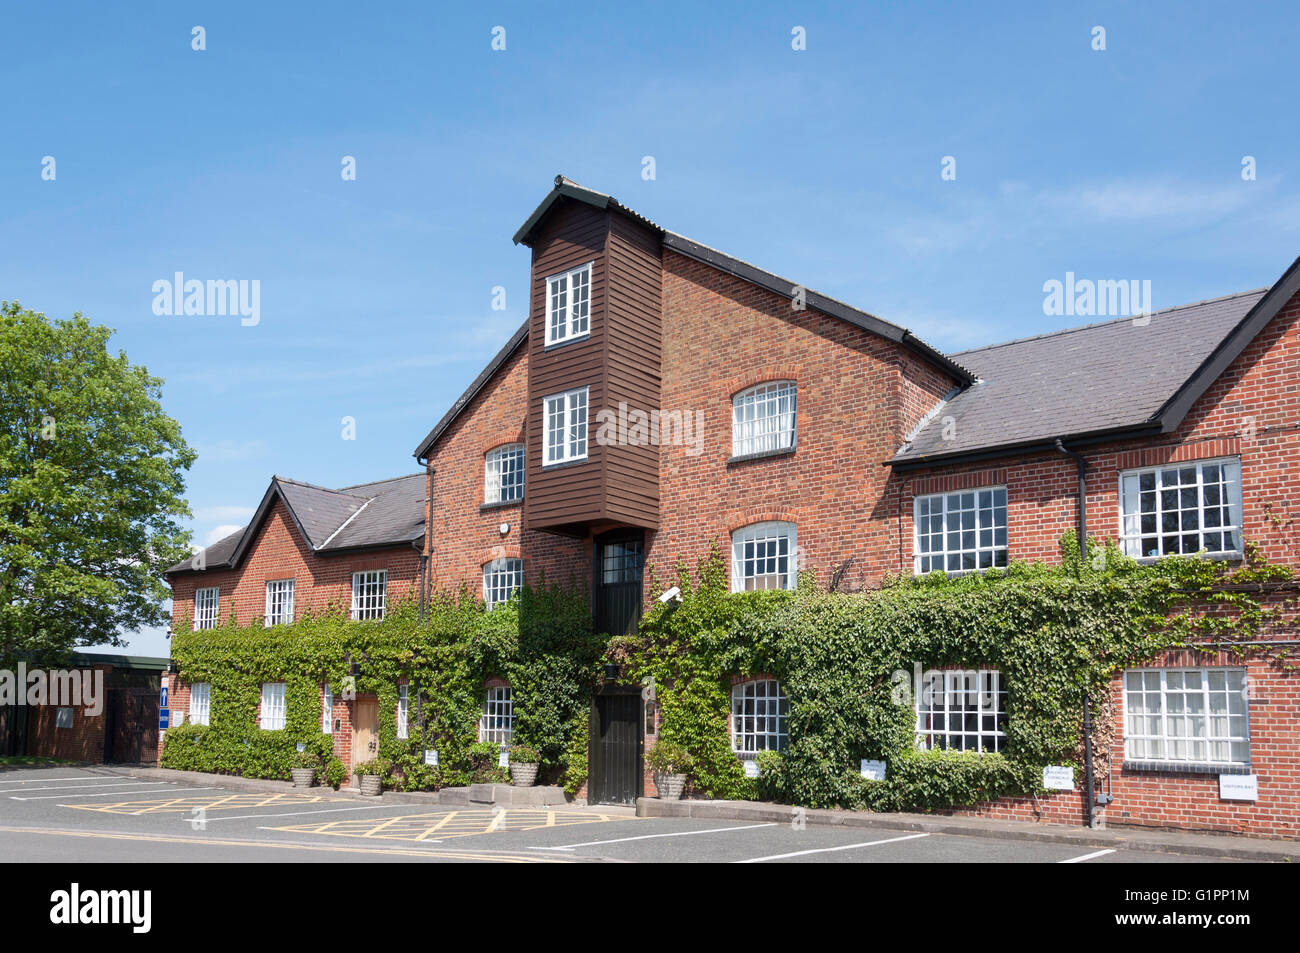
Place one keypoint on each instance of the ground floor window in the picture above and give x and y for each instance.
(272, 718)
(327, 711)
(497, 724)
(200, 703)
(403, 709)
(961, 710)
(759, 713)
(1186, 716)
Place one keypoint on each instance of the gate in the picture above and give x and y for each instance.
(615, 771)
(131, 734)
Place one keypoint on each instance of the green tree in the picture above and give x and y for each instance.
(91, 488)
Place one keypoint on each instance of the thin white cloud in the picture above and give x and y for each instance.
(218, 533)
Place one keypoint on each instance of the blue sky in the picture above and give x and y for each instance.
(822, 165)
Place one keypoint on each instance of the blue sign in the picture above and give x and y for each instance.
(164, 718)
(162, 699)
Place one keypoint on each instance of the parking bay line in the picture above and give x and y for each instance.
(830, 850)
(1079, 860)
(98, 777)
(328, 810)
(620, 840)
(107, 784)
(47, 797)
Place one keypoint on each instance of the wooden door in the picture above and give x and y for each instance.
(615, 752)
(365, 729)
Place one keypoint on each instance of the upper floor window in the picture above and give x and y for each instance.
(200, 703)
(564, 426)
(502, 578)
(205, 608)
(763, 557)
(505, 474)
(1185, 508)
(1186, 715)
(568, 305)
(759, 710)
(956, 532)
(368, 593)
(962, 711)
(497, 723)
(272, 716)
(279, 602)
(763, 419)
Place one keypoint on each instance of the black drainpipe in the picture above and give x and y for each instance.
(1081, 533)
(426, 557)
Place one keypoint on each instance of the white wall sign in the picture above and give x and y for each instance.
(1239, 787)
(1058, 777)
(873, 770)
(751, 769)
(431, 757)
(503, 759)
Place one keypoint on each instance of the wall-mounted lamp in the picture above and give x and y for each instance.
(611, 671)
(503, 529)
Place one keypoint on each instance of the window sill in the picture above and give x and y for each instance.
(561, 343)
(566, 463)
(1216, 557)
(763, 455)
(500, 505)
(1175, 767)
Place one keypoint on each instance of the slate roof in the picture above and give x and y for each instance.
(1113, 376)
(384, 513)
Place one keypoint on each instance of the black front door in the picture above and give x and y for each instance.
(615, 772)
(616, 607)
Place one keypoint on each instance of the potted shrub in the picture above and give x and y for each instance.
(524, 760)
(304, 766)
(669, 763)
(372, 774)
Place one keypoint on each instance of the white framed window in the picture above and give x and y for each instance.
(958, 532)
(327, 710)
(63, 718)
(961, 710)
(564, 426)
(497, 724)
(403, 710)
(200, 703)
(759, 714)
(205, 608)
(763, 556)
(272, 718)
(504, 479)
(1187, 716)
(763, 419)
(502, 578)
(369, 590)
(1181, 508)
(568, 305)
(279, 602)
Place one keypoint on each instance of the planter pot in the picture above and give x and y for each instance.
(523, 775)
(372, 785)
(303, 777)
(670, 786)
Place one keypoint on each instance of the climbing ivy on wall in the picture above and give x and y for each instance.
(845, 662)
(541, 643)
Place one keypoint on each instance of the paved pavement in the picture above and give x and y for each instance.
(95, 814)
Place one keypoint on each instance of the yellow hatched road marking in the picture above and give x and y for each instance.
(457, 823)
(497, 821)
(439, 826)
(209, 802)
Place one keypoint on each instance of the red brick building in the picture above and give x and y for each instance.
(663, 396)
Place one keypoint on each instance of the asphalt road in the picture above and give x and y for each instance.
(73, 814)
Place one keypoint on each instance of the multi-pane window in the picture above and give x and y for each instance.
(763, 557)
(1183, 508)
(279, 602)
(205, 608)
(962, 711)
(956, 532)
(763, 419)
(504, 482)
(564, 425)
(200, 703)
(502, 578)
(622, 562)
(497, 724)
(568, 305)
(368, 592)
(272, 718)
(327, 710)
(759, 711)
(403, 710)
(1186, 715)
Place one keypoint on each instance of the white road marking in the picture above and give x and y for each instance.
(830, 850)
(620, 840)
(1095, 853)
(97, 777)
(328, 810)
(47, 797)
(106, 784)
